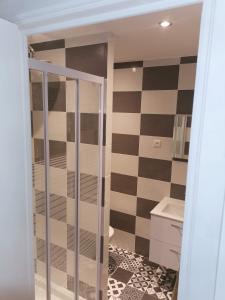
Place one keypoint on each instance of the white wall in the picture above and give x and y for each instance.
(15, 219)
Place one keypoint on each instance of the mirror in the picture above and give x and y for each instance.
(181, 137)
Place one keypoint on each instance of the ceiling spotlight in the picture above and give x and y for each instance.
(134, 69)
(165, 24)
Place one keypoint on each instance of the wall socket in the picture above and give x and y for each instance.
(156, 143)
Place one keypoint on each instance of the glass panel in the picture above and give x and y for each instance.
(38, 163)
(61, 135)
(89, 173)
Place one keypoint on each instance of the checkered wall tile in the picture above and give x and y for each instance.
(145, 103)
(61, 121)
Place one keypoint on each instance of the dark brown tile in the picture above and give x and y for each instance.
(185, 102)
(142, 246)
(41, 249)
(57, 149)
(124, 184)
(57, 96)
(161, 78)
(188, 59)
(157, 125)
(70, 283)
(155, 169)
(37, 96)
(186, 148)
(129, 102)
(70, 237)
(122, 275)
(122, 221)
(38, 150)
(89, 128)
(58, 257)
(128, 64)
(189, 119)
(150, 297)
(125, 144)
(88, 244)
(144, 207)
(50, 45)
(91, 59)
(58, 207)
(177, 191)
(70, 120)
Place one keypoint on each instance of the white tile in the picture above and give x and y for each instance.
(54, 56)
(71, 96)
(123, 203)
(70, 158)
(70, 215)
(187, 76)
(41, 268)
(159, 102)
(58, 233)
(147, 149)
(40, 226)
(161, 62)
(126, 80)
(125, 164)
(89, 97)
(123, 240)
(152, 189)
(142, 227)
(38, 125)
(87, 270)
(89, 159)
(39, 177)
(57, 126)
(126, 123)
(58, 181)
(58, 277)
(88, 216)
(179, 172)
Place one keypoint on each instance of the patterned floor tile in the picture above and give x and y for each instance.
(130, 293)
(139, 282)
(131, 265)
(122, 275)
(118, 259)
(115, 287)
(136, 278)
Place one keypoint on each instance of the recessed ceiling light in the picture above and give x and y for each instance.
(165, 23)
(134, 69)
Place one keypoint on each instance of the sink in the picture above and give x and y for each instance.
(170, 208)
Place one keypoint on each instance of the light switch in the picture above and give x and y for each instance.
(156, 143)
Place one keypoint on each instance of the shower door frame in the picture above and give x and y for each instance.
(48, 68)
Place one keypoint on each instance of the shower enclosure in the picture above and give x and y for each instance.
(67, 141)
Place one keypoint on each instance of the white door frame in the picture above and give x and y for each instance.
(199, 274)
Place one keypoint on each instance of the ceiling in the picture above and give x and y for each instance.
(141, 37)
(11, 10)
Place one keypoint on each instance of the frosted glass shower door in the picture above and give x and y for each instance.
(69, 135)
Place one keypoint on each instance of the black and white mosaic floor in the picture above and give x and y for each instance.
(133, 277)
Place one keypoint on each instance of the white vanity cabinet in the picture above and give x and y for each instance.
(166, 233)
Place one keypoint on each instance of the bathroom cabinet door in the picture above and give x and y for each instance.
(16, 279)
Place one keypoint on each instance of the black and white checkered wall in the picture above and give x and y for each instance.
(147, 96)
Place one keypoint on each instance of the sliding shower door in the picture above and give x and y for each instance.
(67, 126)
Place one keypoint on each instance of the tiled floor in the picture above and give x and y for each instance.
(133, 277)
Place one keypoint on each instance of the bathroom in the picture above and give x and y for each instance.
(129, 145)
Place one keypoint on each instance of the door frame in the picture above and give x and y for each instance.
(203, 226)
